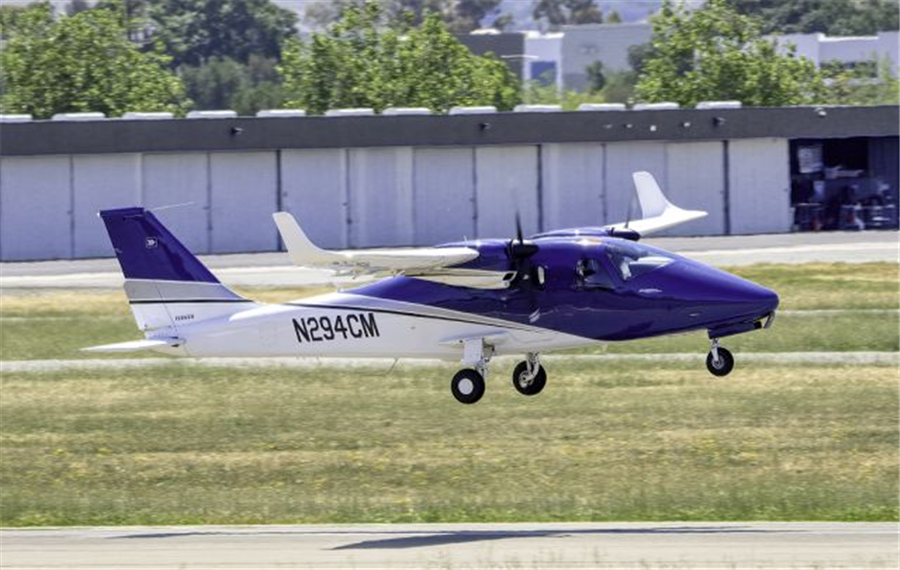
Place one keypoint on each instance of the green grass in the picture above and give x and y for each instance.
(625, 440)
(57, 324)
(645, 441)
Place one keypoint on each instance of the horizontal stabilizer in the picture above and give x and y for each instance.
(135, 345)
(305, 253)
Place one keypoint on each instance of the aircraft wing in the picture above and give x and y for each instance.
(306, 254)
(659, 214)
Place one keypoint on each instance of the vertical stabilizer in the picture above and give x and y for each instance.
(167, 286)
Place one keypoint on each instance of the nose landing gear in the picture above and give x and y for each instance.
(529, 377)
(719, 361)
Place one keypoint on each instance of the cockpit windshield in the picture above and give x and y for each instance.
(633, 260)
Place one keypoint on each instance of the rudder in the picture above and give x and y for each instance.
(166, 285)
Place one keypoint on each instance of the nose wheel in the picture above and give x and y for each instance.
(529, 377)
(719, 361)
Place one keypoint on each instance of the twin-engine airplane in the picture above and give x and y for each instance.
(465, 301)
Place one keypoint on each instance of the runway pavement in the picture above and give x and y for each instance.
(274, 269)
(557, 545)
(51, 365)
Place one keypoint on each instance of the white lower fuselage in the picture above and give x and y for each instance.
(346, 325)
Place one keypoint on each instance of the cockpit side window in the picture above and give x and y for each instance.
(633, 260)
(592, 275)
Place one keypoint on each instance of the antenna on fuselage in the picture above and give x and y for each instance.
(628, 215)
(170, 206)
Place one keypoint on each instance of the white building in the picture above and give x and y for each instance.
(543, 58)
(847, 50)
(585, 44)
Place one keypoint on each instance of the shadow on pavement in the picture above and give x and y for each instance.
(422, 538)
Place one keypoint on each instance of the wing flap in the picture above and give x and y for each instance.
(305, 253)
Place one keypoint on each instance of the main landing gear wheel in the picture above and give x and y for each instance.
(467, 386)
(719, 361)
(527, 382)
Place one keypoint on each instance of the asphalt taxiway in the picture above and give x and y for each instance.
(555, 545)
(275, 269)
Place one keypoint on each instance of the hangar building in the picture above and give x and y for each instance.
(412, 179)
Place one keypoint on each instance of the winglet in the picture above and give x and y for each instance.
(301, 250)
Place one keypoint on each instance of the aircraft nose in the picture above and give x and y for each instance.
(749, 299)
(764, 299)
(725, 295)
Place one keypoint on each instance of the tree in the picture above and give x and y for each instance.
(556, 13)
(461, 16)
(869, 83)
(714, 53)
(82, 63)
(833, 17)
(470, 13)
(75, 6)
(194, 31)
(596, 77)
(13, 18)
(614, 18)
(365, 60)
(223, 83)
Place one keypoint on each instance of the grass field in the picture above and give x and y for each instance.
(177, 445)
(625, 440)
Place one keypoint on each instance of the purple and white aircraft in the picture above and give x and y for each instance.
(466, 301)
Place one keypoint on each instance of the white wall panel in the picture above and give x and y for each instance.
(314, 189)
(180, 179)
(696, 181)
(243, 198)
(35, 208)
(623, 159)
(444, 195)
(100, 182)
(506, 182)
(572, 188)
(759, 186)
(381, 201)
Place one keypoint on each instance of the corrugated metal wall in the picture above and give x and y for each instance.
(389, 196)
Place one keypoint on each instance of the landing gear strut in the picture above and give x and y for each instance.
(719, 361)
(529, 377)
(467, 385)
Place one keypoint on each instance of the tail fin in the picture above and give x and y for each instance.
(658, 213)
(167, 286)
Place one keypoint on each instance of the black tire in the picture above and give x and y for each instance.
(529, 388)
(725, 364)
(467, 386)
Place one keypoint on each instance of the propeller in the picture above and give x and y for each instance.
(520, 253)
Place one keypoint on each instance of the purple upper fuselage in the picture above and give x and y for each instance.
(598, 287)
